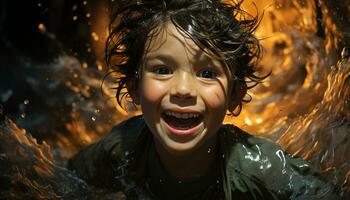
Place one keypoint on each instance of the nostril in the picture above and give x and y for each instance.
(183, 90)
(184, 93)
(183, 99)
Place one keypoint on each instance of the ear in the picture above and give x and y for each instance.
(238, 92)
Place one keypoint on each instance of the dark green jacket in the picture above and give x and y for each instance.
(249, 167)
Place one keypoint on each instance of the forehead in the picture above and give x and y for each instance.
(167, 37)
(168, 40)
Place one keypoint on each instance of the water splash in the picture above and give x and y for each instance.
(28, 170)
(304, 105)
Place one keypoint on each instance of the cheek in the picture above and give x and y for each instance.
(151, 92)
(215, 97)
(216, 102)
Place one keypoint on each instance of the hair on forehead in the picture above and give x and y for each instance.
(220, 28)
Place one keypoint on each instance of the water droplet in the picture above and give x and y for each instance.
(84, 65)
(345, 53)
(126, 153)
(99, 67)
(333, 68)
(93, 118)
(42, 27)
(39, 4)
(26, 102)
(84, 2)
(23, 115)
(75, 17)
(94, 36)
(97, 110)
(74, 7)
(179, 182)
(88, 15)
(160, 180)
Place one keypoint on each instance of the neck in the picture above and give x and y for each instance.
(189, 165)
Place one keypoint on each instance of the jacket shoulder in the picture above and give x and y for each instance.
(96, 163)
(255, 162)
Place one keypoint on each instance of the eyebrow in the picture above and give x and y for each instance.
(159, 56)
(162, 57)
(168, 58)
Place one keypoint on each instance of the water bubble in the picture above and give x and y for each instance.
(84, 2)
(75, 17)
(97, 110)
(209, 150)
(93, 118)
(179, 182)
(160, 180)
(26, 102)
(88, 15)
(23, 115)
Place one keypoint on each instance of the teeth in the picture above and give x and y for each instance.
(182, 115)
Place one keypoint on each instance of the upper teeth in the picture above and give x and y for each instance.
(182, 115)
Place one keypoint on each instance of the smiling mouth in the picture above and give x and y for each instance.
(182, 120)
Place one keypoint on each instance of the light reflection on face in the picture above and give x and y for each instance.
(179, 83)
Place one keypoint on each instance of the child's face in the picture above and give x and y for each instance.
(184, 93)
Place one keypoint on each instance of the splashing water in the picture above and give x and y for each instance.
(304, 106)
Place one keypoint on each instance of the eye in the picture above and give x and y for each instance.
(162, 70)
(207, 74)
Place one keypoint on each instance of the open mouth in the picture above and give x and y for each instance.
(182, 120)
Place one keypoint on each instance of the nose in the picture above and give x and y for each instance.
(184, 86)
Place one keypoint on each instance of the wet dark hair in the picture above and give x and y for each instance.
(222, 28)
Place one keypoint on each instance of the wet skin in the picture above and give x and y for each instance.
(178, 77)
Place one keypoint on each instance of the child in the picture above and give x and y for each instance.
(186, 64)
